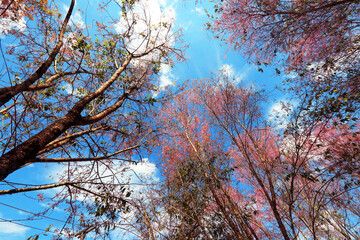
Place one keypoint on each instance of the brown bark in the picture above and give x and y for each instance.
(23, 153)
(29, 149)
(34, 188)
(51, 81)
(271, 198)
(7, 93)
(67, 138)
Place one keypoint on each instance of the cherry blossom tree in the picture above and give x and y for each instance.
(316, 42)
(225, 167)
(300, 31)
(200, 201)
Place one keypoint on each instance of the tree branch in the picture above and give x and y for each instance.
(50, 81)
(58, 160)
(7, 93)
(35, 188)
(61, 141)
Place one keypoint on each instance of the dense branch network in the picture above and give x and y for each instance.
(81, 99)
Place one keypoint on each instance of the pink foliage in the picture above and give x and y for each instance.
(285, 184)
(302, 31)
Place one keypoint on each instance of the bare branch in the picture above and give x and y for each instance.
(84, 159)
(7, 93)
(34, 188)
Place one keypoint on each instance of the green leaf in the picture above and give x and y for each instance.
(48, 228)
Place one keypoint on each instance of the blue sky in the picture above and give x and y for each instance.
(204, 55)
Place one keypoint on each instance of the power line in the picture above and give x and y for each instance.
(24, 225)
(35, 214)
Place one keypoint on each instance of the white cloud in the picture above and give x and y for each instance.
(6, 24)
(147, 25)
(166, 77)
(199, 11)
(292, 75)
(12, 228)
(139, 179)
(145, 168)
(136, 176)
(142, 171)
(228, 70)
(162, 3)
(279, 113)
(11, 21)
(244, 72)
(76, 18)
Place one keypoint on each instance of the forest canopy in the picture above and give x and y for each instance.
(86, 90)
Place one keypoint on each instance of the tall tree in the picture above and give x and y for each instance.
(225, 163)
(200, 200)
(81, 96)
(315, 41)
(302, 31)
(77, 85)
